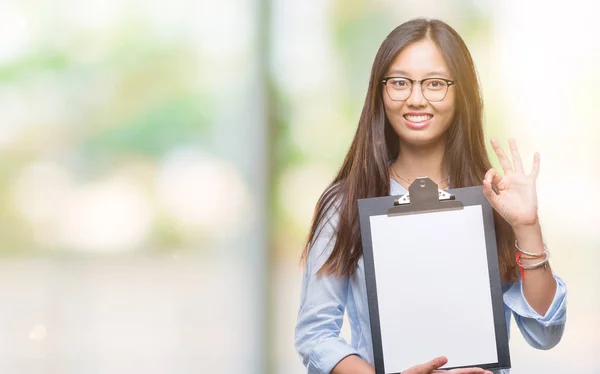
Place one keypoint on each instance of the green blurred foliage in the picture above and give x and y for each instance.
(128, 99)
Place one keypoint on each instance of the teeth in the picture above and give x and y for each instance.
(418, 118)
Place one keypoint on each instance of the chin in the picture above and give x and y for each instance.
(421, 139)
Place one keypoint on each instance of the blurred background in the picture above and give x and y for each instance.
(160, 162)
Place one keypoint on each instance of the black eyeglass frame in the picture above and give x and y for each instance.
(449, 82)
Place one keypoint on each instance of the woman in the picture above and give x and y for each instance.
(422, 116)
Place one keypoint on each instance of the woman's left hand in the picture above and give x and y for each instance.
(516, 200)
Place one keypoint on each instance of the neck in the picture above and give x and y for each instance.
(420, 161)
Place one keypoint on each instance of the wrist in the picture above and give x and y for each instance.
(528, 229)
(529, 237)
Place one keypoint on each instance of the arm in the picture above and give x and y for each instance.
(322, 306)
(541, 332)
(538, 302)
(353, 365)
(539, 286)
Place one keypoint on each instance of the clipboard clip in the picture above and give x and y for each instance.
(424, 196)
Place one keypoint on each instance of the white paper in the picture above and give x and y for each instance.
(433, 288)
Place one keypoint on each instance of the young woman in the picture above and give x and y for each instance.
(422, 116)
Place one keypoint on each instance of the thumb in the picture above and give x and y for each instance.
(491, 177)
(427, 367)
(489, 193)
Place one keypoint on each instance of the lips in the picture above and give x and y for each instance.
(417, 120)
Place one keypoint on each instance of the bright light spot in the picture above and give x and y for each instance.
(545, 75)
(15, 31)
(109, 216)
(202, 192)
(38, 332)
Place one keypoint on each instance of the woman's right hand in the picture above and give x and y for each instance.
(434, 365)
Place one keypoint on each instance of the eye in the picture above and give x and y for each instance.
(399, 83)
(436, 84)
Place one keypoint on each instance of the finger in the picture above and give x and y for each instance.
(535, 169)
(436, 363)
(516, 156)
(492, 176)
(504, 161)
(489, 193)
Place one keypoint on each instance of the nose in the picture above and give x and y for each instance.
(416, 97)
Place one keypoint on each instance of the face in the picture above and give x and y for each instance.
(416, 120)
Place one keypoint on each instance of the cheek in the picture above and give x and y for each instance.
(445, 110)
(386, 100)
(392, 108)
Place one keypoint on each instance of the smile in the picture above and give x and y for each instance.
(419, 118)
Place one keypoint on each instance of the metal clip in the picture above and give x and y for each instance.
(442, 195)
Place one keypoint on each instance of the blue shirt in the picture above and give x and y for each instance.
(325, 298)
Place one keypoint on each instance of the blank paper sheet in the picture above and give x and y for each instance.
(433, 288)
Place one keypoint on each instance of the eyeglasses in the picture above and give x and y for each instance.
(400, 88)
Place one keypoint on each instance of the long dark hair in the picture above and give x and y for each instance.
(364, 172)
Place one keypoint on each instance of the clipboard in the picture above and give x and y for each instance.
(433, 279)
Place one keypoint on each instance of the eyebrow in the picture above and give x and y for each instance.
(435, 73)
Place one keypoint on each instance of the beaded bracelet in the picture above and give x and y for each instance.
(523, 257)
(534, 266)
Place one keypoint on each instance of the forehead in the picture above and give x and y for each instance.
(420, 59)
